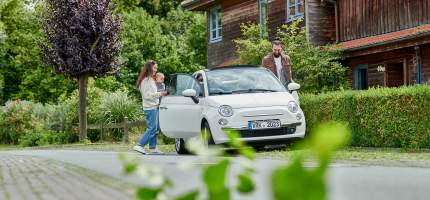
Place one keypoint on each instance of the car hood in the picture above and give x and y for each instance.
(251, 100)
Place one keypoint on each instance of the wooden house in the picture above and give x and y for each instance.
(386, 42)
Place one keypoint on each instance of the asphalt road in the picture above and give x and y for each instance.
(346, 181)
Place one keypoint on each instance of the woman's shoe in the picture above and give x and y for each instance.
(140, 149)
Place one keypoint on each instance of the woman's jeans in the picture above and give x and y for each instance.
(150, 135)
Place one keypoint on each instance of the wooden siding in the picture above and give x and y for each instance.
(425, 54)
(276, 15)
(233, 14)
(320, 22)
(363, 18)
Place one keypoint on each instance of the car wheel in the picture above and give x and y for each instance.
(180, 146)
(207, 135)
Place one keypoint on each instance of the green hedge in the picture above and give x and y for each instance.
(381, 117)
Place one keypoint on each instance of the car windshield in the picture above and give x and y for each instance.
(242, 80)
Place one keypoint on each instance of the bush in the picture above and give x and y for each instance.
(25, 123)
(16, 119)
(71, 105)
(381, 117)
(47, 138)
(114, 107)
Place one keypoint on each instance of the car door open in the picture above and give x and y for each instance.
(180, 111)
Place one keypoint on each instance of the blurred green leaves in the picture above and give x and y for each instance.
(298, 182)
(215, 179)
(295, 182)
(148, 193)
(246, 183)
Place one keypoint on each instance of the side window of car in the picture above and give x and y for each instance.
(181, 82)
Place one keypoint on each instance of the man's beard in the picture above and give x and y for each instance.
(276, 55)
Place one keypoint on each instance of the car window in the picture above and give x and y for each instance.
(199, 78)
(242, 80)
(182, 82)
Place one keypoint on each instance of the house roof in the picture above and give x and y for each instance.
(196, 4)
(377, 40)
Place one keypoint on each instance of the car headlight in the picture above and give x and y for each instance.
(293, 107)
(225, 111)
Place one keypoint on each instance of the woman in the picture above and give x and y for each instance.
(150, 102)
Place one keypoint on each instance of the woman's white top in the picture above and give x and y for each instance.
(150, 96)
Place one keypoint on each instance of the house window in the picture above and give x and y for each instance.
(215, 24)
(262, 7)
(361, 77)
(295, 9)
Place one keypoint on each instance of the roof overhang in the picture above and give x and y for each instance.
(197, 5)
(398, 39)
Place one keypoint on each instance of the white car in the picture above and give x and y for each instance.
(248, 99)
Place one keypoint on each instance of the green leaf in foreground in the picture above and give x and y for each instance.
(294, 182)
(244, 150)
(214, 178)
(189, 196)
(329, 137)
(246, 184)
(147, 193)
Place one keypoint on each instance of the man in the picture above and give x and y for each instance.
(278, 63)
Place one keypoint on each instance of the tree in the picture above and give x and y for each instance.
(82, 40)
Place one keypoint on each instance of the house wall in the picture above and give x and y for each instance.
(277, 16)
(364, 18)
(234, 13)
(405, 56)
(320, 22)
(425, 53)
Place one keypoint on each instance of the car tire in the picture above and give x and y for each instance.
(207, 129)
(180, 146)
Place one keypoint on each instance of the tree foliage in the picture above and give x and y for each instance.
(317, 69)
(21, 68)
(176, 42)
(82, 37)
(158, 30)
(153, 7)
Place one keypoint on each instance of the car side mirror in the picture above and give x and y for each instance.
(192, 94)
(189, 93)
(293, 87)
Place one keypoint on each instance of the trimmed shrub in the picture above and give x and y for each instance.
(379, 117)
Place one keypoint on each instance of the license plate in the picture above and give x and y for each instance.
(264, 124)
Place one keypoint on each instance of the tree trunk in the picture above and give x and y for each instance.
(83, 80)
